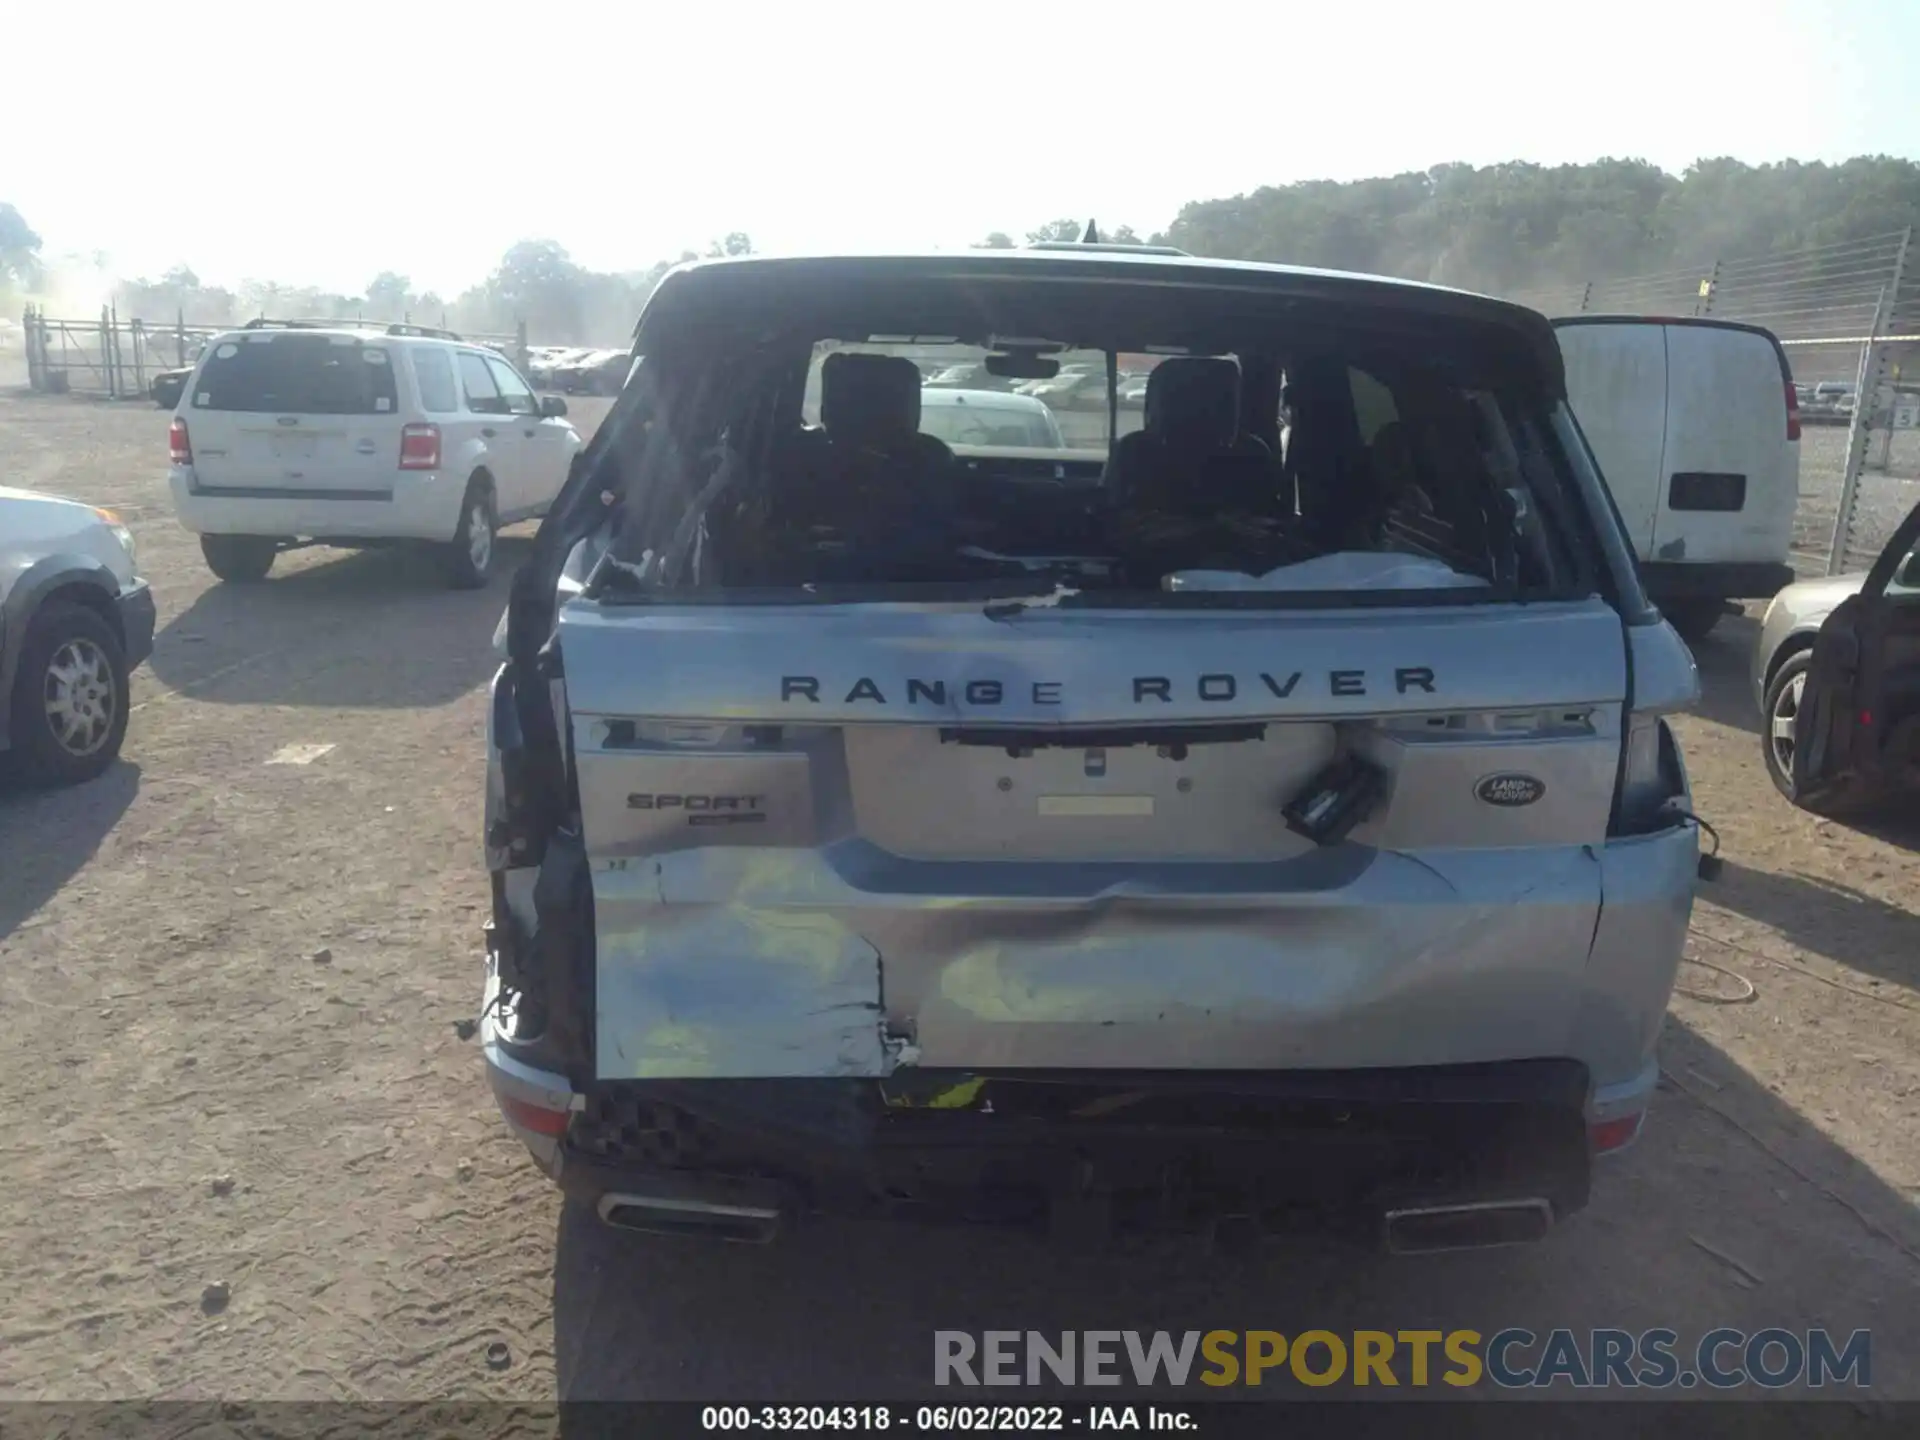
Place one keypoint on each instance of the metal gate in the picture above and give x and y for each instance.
(109, 356)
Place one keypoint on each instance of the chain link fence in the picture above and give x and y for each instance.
(118, 359)
(1848, 315)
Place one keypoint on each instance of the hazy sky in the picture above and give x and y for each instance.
(319, 143)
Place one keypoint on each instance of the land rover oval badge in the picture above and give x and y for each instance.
(1510, 790)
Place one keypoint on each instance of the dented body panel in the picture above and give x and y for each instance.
(739, 962)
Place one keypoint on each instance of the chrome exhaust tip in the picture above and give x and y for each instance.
(1481, 1225)
(682, 1215)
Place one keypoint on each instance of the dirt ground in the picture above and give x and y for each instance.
(232, 987)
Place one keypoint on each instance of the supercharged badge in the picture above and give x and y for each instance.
(1510, 789)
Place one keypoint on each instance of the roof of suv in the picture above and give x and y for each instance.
(359, 329)
(775, 282)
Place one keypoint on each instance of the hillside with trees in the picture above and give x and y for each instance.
(1508, 228)
(1519, 226)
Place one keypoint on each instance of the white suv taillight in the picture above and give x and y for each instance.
(179, 449)
(420, 447)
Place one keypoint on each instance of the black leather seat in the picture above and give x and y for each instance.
(868, 464)
(1192, 456)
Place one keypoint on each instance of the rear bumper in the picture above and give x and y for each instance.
(137, 619)
(422, 505)
(1714, 579)
(1508, 1128)
(1078, 1150)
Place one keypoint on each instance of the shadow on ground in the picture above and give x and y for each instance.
(361, 629)
(1828, 918)
(47, 835)
(1726, 697)
(1721, 1215)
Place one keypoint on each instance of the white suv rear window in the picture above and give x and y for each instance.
(295, 374)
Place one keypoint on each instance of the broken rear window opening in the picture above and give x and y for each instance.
(1264, 453)
(294, 374)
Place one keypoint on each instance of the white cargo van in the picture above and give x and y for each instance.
(1696, 425)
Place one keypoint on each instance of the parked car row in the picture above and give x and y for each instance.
(1078, 385)
(578, 371)
(1828, 402)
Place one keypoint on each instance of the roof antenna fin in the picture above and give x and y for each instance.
(1091, 236)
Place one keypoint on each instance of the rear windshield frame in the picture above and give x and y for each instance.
(1487, 349)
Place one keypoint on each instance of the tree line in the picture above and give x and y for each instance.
(1518, 226)
(1504, 228)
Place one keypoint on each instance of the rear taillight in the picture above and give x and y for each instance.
(1793, 412)
(538, 1118)
(420, 447)
(1604, 1136)
(179, 449)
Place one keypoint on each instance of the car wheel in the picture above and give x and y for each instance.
(1694, 619)
(470, 552)
(1785, 693)
(241, 559)
(69, 697)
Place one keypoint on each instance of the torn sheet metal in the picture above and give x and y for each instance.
(732, 991)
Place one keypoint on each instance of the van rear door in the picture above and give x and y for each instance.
(1617, 385)
(296, 413)
(1731, 476)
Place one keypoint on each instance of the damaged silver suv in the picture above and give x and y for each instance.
(1258, 811)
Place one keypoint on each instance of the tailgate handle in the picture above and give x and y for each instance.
(487, 430)
(365, 447)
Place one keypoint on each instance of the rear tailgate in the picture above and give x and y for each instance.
(292, 413)
(826, 839)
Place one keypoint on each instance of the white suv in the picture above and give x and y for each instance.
(291, 433)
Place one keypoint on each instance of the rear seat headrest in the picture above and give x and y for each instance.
(869, 397)
(1194, 398)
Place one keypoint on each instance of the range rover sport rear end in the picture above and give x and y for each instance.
(1260, 810)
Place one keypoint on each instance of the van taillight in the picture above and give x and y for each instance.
(420, 447)
(179, 450)
(1793, 412)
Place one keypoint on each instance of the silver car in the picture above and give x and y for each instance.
(1203, 835)
(75, 617)
(1860, 729)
